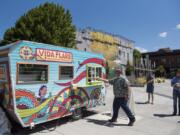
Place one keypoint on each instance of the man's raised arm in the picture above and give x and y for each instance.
(104, 80)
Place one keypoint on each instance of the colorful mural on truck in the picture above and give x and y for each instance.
(50, 82)
(33, 108)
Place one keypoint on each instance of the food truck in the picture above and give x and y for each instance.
(42, 82)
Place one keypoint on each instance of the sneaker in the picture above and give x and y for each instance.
(147, 102)
(131, 123)
(111, 120)
(174, 114)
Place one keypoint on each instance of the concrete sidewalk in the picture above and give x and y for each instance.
(151, 119)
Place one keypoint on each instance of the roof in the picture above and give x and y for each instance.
(6, 47)
(163, 51)
(114, 35)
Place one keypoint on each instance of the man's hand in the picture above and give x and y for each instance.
(97, 78)
(127, 98)
(177, 85)
(101, 79)
(150, 81)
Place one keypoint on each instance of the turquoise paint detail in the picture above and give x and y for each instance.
(25, 101)
(25, 120)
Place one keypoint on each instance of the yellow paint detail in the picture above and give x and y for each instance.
(103, 42)
(60, 99)
(76, 91)
(67, 105)
(55, 109)
(102, 37)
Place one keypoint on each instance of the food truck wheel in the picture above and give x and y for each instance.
(77, 114)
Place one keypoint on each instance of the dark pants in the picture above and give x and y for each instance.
(176, 101)
(121, 102)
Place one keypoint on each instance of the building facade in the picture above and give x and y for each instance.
(118, 50)
(169, 59)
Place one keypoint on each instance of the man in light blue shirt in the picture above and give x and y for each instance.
(175, 83)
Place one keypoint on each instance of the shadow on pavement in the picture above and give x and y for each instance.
(48, 127)
(104, 123)
(41, 128)
(141, 103)
(163, 115)
(107, 114)
(89, 113)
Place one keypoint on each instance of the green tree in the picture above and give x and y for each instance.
(160, 70)
(137, 55)
(49, 23)
(129, 69)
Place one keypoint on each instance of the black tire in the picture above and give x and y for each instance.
(77, 114)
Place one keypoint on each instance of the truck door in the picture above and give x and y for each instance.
(4, 84)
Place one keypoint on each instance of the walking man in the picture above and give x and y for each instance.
(175, 83)
(121, 96)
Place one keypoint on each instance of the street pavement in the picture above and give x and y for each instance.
(151, 119)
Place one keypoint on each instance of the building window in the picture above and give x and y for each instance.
(123, 53)
(163, 60)
(178, 59)
(128, 56)
(65, 72)
(78, 41)
(32, 73)
(119, 52)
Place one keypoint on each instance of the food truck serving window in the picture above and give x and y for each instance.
(93, 72)
(32, 73)
(65, 72)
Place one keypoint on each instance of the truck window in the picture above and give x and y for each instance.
(65, 72)
(98, 72)
(93, 72)
(32, 73)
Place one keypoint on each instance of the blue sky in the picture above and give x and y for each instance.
(152, 24)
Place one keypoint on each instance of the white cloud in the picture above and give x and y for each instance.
(178, 26)
(163, 34)
(142, 50)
